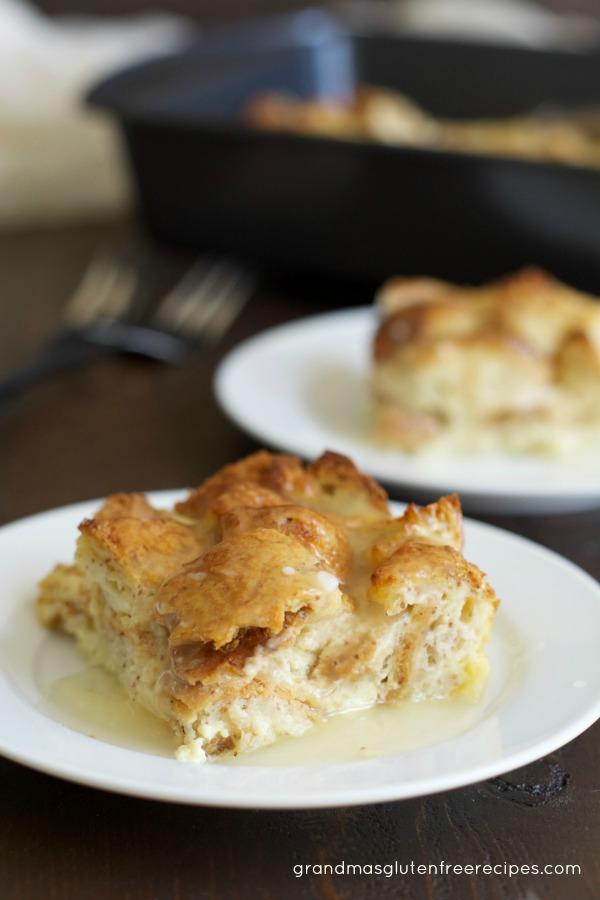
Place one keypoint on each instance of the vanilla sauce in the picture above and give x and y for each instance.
(92, 702)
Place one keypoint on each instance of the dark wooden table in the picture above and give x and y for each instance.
(127, 424)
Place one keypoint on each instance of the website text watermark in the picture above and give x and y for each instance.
(442, 868)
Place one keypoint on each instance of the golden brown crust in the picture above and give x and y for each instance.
(439, 522)
(146, 550)
(247, 581)
(418, 572)
(344, 489)
(387, 116)
(63, 596)
(245, 496)
(517, 361)
(319, 534)
(280, 473)
(332, 482)
(284, 113)
(273, 601)
(399, 293)
(134, 506)
(530, 309)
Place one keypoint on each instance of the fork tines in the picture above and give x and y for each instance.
(206, 300)
(106, 291)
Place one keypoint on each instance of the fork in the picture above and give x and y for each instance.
(97, 320)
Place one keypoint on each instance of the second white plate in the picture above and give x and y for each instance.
(303, 388)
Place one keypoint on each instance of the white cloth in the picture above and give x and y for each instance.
(523, 22)
(514, 21)
(60, 161)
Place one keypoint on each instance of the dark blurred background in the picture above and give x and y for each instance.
(210, 11)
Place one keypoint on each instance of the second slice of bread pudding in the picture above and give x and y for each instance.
(509, 367)
(273, 596)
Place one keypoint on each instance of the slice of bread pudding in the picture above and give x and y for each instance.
(273, 596)
(510, 367)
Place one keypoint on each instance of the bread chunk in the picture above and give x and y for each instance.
(385, 116)
(272, 597)
(510, 367)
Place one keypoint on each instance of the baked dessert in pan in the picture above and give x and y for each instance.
(271, 597)
(511, 367)
(387, 116)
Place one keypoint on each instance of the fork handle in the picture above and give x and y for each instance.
(138, 339)
(66, 350)
(70, 348)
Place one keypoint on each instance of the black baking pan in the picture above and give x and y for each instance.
(357, 210)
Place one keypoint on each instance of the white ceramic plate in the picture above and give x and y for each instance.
(544, 689)
(303, 387)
